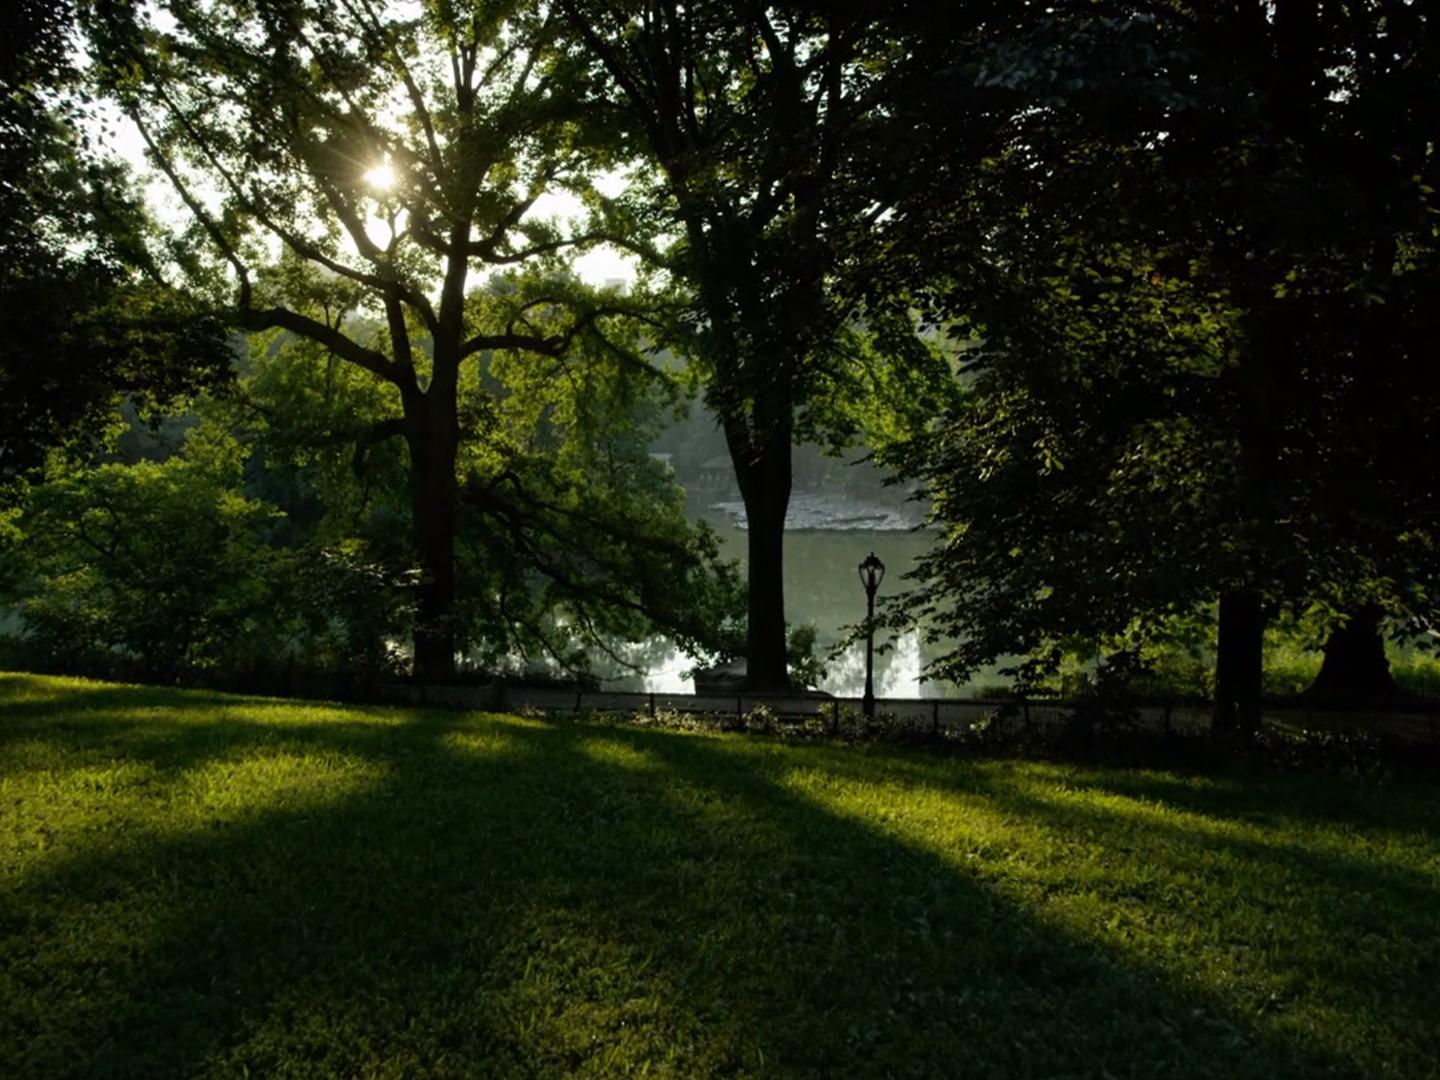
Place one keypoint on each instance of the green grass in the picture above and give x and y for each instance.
(200, 885)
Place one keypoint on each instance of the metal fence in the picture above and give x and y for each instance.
(942, 717)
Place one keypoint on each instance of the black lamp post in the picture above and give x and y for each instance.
(872, 572)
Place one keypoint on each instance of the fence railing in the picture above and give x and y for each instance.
(940, 716)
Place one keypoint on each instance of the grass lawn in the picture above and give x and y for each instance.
(200, 885)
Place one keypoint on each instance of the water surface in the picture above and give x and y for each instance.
(822, 589)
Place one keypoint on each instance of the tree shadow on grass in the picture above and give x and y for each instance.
(37, 696)
(1348, 856)
(1351, 929)
(1252, 794)
(1339, 919)
(71, 705)
(526, 899)
(1263, 797)
(76, 724)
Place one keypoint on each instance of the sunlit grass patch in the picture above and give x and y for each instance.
(620, 755)
(192, 884)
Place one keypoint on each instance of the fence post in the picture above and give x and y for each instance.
(935, 717)
(577, 699)
(652, 705)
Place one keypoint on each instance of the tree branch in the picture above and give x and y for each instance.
(412, 90)
(548, 346)
(491, 254)
(342, 346)
(388, 285)
(211, 227)
(378, 432)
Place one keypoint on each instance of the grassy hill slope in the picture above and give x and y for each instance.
(200, 885)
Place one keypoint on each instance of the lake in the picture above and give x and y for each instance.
(822, 588)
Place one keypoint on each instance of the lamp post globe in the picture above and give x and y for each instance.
(872, 572)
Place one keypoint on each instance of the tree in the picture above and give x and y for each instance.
(750, 125)
(1080, 476)
(271, 546)
(1322, 196)
(85, 317)
(571, 537)
(1183, 402)
(391, 151)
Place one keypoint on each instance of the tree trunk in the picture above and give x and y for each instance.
(1239, 663)
(763, 470)
(766, 667)
(433, 436)
(1355, 669)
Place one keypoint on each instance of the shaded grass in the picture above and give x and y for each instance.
(195, 884)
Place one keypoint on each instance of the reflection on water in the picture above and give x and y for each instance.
(897, 673)
(902, 674)
(670, 675)
(835, 513)
(822, 588)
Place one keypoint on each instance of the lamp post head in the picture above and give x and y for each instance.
(872, 572)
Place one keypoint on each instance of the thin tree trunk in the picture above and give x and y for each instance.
(1239, 663)
(433, 437)
(1355, 669)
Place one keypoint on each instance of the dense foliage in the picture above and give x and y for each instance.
(1200, 301)
(271, 547)
(87, 317)
(753, 132)
(347, 175)
(1147, 312)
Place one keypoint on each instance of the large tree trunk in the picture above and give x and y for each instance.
(1355, 669)
(433, 436)
(765, 623)
(1239, 663)
(763, 470)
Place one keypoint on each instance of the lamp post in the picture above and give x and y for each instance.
(872, 572)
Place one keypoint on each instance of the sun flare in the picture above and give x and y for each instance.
(381, 177)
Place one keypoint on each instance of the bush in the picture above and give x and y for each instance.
(162, 571)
